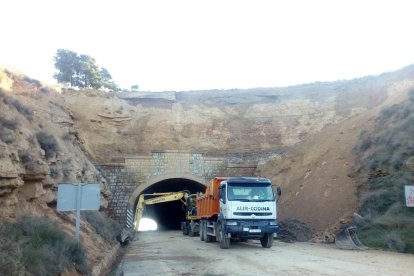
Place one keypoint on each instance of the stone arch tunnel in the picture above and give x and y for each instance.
(166, 171)
(169, 215)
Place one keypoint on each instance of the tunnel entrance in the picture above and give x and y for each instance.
(169, 215)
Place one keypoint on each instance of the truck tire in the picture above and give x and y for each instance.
(202, 233)
(184, 227)
(191, 232)
(267, 240)
(207, 237)
(223, 240)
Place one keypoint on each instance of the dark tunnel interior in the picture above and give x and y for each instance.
(169, 215)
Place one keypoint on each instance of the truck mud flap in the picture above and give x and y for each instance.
(348, 239)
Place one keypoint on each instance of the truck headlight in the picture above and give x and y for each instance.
(234, 223)
(272, 223)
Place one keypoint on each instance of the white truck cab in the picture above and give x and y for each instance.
(247, 210)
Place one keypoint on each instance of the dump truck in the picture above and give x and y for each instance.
(237, 208)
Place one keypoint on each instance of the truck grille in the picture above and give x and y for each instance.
(248, 214)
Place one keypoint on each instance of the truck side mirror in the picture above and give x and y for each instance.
(279, 191)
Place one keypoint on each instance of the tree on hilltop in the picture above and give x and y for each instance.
(67, 63)
(107, 81)
(81, 71)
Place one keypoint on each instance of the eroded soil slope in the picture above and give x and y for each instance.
(250, 120)
(317, 126)
(319, 176)
(40, 147)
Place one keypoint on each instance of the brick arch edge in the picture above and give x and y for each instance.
(153, 180)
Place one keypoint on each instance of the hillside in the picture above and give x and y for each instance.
(217, 121)
(40, 147)
(315, 126)
(337, 144)
(321, 188)
(385, 165)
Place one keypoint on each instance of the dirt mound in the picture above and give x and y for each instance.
(292, 230)
(318, 176)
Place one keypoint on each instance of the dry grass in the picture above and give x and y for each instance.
(48, 143)
(36, 246)
(387, 223)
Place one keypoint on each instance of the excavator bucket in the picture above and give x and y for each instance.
(348, 239)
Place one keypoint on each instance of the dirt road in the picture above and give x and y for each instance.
(171, 253)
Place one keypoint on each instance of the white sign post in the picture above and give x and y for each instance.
(77, 197)
(409, 196)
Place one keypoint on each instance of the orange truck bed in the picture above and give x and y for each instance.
(208, 203)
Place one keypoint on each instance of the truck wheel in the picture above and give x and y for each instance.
(222, 238)
(267, 240)
(225, 243)
(207, 237)
(184, 228)
(191, 232)
(202, 233)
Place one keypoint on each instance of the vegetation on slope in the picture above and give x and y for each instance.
(36, 246)
(40, 147)
(386, 222)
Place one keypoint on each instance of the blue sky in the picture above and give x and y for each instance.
(216, 44)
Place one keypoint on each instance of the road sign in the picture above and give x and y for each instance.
(68, 194)
(77, 197)
(409, 196)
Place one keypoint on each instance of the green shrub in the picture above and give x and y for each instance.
(7, 136)
(10, 257)
(388, 238)
(31, 81)
(36, 246)
(366, 143)
(24, 110)
(47, 143)
(387, 112)
(12, 123)
(104, 226)
(45, 90)
(26, 158)
(387, 223)
(377, 202)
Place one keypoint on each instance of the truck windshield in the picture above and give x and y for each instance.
(250, 192)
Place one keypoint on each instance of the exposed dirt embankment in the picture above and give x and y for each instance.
(316, 125)
(40, 147)
(48, 138)
(218, 121)
(319, 175)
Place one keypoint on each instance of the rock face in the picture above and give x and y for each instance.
(219, 121)
(223, 120)
(48, 138)
(316, 126)
(39, 147)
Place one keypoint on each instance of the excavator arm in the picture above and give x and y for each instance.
(155, 199)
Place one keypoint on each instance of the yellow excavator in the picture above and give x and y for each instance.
(189, 227)
(185, 197)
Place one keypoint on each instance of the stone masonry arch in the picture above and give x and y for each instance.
(128, 179)
(139, 189)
